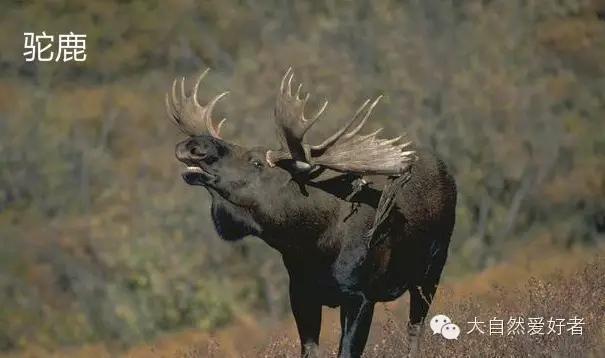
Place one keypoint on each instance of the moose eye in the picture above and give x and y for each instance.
(257, 163)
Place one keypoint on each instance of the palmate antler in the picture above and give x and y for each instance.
(344, 151)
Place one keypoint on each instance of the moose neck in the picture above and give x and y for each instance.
(295, 220)
(299, 219)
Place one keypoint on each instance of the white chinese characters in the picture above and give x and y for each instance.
(39, 47)
(512, 326)
(532, 326)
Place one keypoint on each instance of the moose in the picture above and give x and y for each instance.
(357, 219)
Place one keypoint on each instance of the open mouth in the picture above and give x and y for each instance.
(197, 175)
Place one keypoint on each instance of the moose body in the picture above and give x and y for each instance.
(320, 223)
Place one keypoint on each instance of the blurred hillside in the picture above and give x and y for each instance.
(101, 239)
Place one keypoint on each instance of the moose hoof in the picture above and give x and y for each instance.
(414, 336)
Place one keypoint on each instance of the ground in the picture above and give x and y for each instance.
(534, 284)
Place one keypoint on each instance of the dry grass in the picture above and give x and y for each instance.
(560, 285)
(580, 293)
(534, 284)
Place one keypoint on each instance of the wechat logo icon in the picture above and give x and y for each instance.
(442, 324)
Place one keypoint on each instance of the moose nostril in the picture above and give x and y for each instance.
(197, 152)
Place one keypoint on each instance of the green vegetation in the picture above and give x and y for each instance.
(101, 240)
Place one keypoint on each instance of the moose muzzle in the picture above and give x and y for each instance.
(198, 153)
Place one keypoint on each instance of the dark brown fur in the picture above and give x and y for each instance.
(321, 234)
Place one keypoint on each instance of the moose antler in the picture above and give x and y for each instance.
(291, 121)
(344, 151)
(186, 112)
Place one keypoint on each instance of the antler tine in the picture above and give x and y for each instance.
(373, 134)
(365, 118)
(311, 121)
(283, 80)
(170, 110)
(289, 88)
(214, 131)
(334, 137)
(302, 100)
(339, 134)
(187, 113)
(175, 99)
(197, 85)
(172, 105)
(390, 141)
(182, 94)
(320, 111)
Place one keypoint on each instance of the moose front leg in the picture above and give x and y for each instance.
(355, 320)
(307, 314)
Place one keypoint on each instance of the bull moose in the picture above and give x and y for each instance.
(357, 219)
